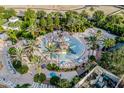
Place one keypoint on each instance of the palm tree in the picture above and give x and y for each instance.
(19, 54)
(31, 47)
(49, 23)
(57, 22)
(12, 35)
(36, 60)
(41, 14)
(92, 42)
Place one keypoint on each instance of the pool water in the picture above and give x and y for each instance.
(52, 74)
(62, 62)
(76, 49)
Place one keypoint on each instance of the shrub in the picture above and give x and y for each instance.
(23, 86)
(92, 9)
(52, 67)
(17, 64)
(12, 51)
(39, 78)
(92, 58)
(120, 39)
(1, 29)
(75, 80)
(113, 61)
(54, 80)
(22, 69)
(63, 83)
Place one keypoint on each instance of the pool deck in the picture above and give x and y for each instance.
(65, 75)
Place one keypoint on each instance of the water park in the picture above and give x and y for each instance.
(81, 47)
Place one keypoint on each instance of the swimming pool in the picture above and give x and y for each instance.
(76, 49)
(52, 74)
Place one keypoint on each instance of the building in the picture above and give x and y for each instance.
(98, 78)
(13, 19)
(11, 24)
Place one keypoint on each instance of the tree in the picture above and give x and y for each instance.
(12, 51)
(39, 78)
(49, 23)
(24, 25)
(71, 23)
(75, 80)
(53, 67)
(92, 42)
(54, 80)
(9, 13)
(16, 64)
(1, 29)
(109, 43)
(37, 61)
(120, 39)
(43, 23)
(84, 14)
(19, 54)
(26, 85)
(12, 35)
(2, 9)
(30, 16)
(33, 31)
(92, 58)
(41, 14)
(92, 9)
(30, 48)
(113, 61)
(56, 22)
(22, 69)
(98, 15)
(63, 83)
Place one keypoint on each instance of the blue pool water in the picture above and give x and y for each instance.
(62, 62)
(76, 49)
(52, 74)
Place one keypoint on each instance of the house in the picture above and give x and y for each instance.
(12, 24)
(13, 19)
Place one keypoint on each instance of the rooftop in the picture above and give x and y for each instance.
(98, 78)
